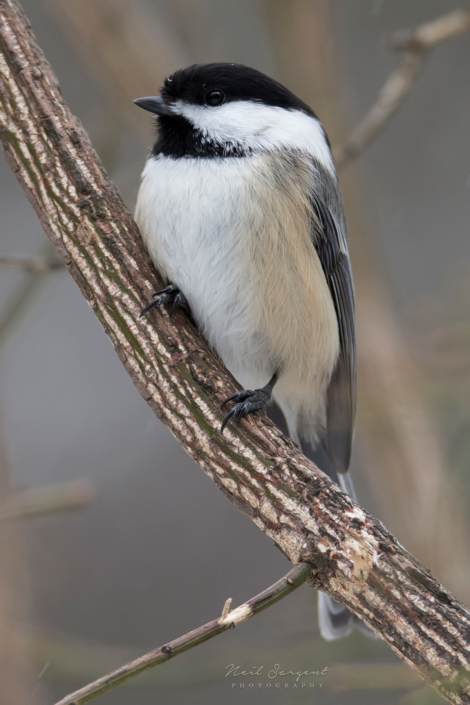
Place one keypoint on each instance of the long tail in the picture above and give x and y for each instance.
(335, 620)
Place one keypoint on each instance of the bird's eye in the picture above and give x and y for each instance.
(215, 98)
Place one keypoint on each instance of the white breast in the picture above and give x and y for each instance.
(190, 214)
(236, 241)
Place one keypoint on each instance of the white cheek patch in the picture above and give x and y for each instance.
(259, 127)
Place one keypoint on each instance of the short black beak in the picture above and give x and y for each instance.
(154, 104)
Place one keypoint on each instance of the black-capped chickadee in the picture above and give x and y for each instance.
(241, 212)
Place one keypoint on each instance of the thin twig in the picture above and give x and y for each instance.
(415, 44)
(283, 587)
(47, 500)
(41, 265)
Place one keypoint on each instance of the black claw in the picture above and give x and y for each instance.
(238, 396)
(156, 302)
(182, 303)
(248, 400)
(171, 294)
(227, 419)
(241, 410)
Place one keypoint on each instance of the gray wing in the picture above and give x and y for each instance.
(329, 238)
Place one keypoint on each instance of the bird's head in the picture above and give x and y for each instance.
(212, 110)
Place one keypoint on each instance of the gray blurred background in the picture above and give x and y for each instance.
(160, 549)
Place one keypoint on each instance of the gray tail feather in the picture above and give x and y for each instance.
(334, 619)
(346, 484)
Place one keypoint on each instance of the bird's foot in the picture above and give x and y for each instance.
(248, 400)
(171, 294)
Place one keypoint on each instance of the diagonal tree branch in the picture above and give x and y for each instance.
(229, 620)
(354, 558)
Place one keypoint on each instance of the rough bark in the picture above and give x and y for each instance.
(310, 519)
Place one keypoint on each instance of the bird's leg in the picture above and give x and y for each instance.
(171, 294)
(248, 400)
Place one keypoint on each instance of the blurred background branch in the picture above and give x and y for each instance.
(25, 291)
(31, 264)
(415, 44)
(37, 501)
